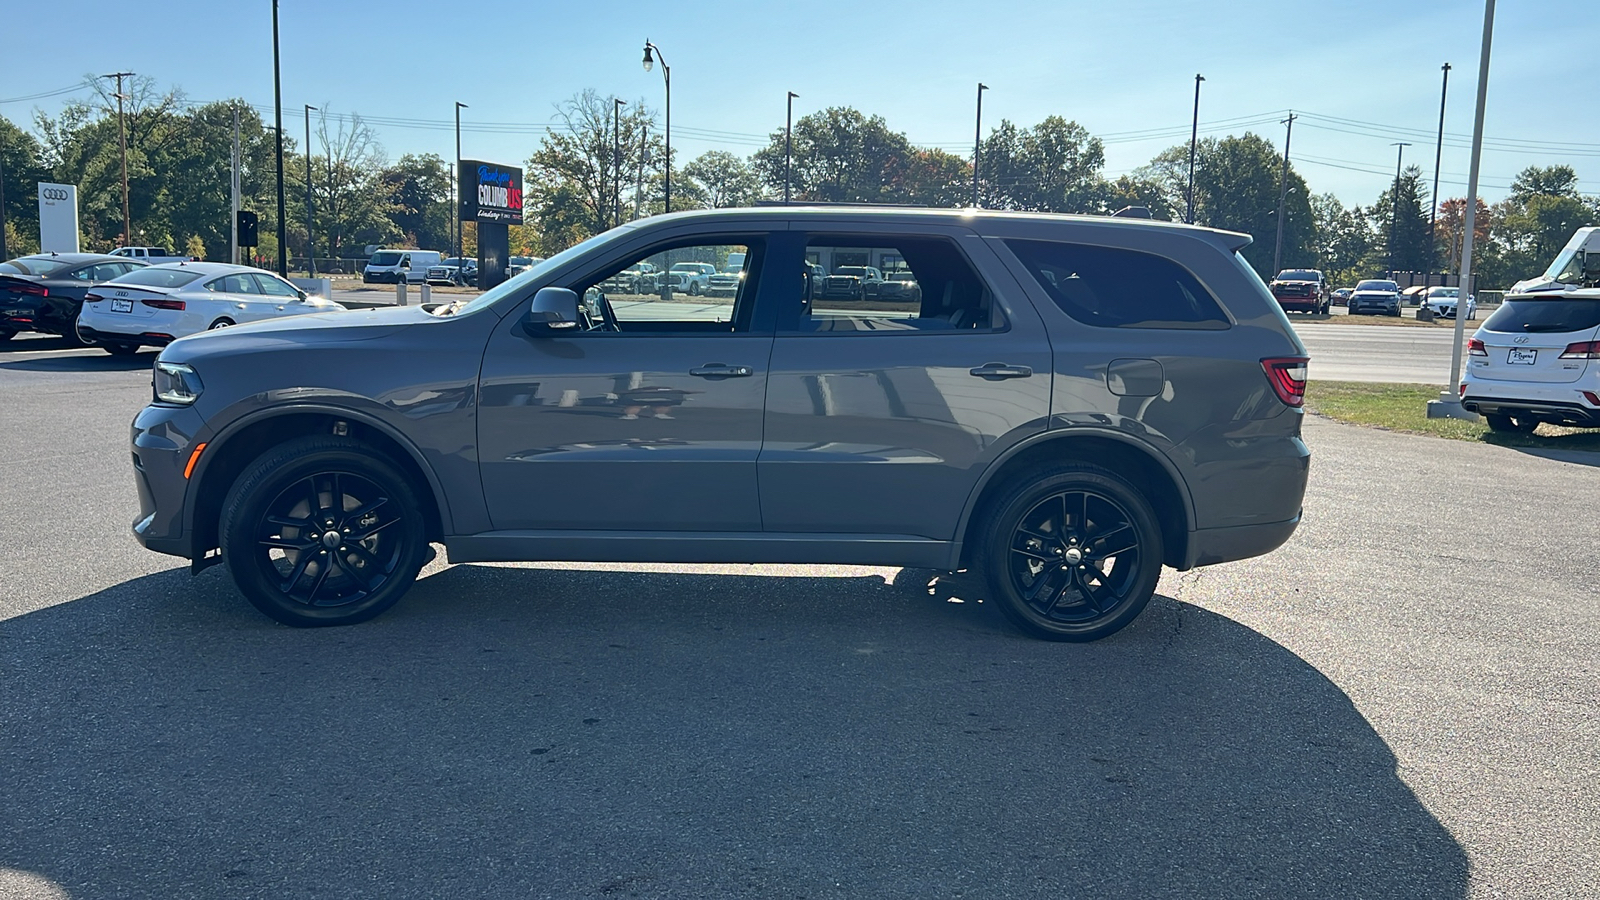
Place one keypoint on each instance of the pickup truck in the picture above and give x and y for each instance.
(1301, 290)
(149, 255)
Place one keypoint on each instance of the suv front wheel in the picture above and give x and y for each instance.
(323, 530)
(1073, 554)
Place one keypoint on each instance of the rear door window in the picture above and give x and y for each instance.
(886, 284)
(1109, 287)
(1551, 316)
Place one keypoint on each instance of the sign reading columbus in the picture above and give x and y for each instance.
(490, 192)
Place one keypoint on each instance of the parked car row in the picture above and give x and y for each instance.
(122, 304)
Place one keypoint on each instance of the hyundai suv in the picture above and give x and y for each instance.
(1534, 361)
(1070, 404)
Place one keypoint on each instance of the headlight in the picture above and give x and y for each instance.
(176, 383)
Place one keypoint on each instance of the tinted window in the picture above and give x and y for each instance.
(275, 287)
(239, 283)
(1113, 288)
(158, 276)
(935, 288)
(661, 291)
(1299, 275)
(1551, 316)
(385, 258)
(1378, 286)
(33, 265)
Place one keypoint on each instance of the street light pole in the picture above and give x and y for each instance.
(1438, 154)
(666, 74)
(616, 159)
(1283, 196)
(1194, 137)
(122, 146)
(456, 187)
(788, 146)
(1394, 201)
(277, 105)
(311, 254)
(977, 145)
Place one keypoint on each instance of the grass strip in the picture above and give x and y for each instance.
(1404, 408)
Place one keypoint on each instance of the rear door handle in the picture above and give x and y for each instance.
(721, 370)
(1001, 370)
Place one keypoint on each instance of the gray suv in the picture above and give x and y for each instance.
(1065, 405)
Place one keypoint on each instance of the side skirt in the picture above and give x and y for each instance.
(702, 547)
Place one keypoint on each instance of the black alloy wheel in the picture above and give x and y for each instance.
(1074, 555)
(323, 531)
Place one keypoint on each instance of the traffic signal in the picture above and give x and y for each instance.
(247, 228)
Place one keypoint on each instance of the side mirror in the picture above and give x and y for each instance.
(552, 311)
(302, 294)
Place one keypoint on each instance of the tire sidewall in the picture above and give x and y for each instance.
(1021, 498)
(281, 467)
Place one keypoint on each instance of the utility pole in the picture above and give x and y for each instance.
(1283, 195)
(233, 241)
(122, 145)
(456, 185)
(616, 159)
(1194, 137)
(4, 255)
(311, 256)
(1438, 154)
(1394, 201)
(788, 147)
(277, 105)
(977, 144)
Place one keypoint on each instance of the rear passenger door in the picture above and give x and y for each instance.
(882, 413)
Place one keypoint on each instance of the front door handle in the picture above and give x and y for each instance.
(721, 370)
(1001, 370)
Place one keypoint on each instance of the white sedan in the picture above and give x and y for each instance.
(156, 305)
(1442, 300)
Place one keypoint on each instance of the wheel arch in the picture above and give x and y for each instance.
(243, 441)
(1142, 465)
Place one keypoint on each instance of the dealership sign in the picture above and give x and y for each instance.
(58, 218)
(490, 192)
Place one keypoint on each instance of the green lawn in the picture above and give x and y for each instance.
(1404, 408)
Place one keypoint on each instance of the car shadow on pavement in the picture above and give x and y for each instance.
(573, 732)
(88, 361)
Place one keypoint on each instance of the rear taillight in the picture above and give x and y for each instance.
(1594, 400)
(1463, 390)
(1475, 347)
(1582, 350)
(37, 290)
(92, 298)
(1287, 375)
(163, 304)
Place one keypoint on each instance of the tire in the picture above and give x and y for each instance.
(1510, 424)
(694, 288)
(269, 532)
(223, 322)
(7, 335)
(120, 349)
(1064, 516)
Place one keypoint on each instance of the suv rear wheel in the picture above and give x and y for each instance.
(323, 530)
(1072, 554)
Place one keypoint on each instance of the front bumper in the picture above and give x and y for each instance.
(163, 439)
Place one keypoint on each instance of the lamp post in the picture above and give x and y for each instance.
(1438, 153)
(616, 159)
(666, 73)
(311, 256)
(122, 134)
(1283, 196)
(1194, 137)
(456, 187)
(788, 146)
(977, 144)
(277, 106)
(1394, 201)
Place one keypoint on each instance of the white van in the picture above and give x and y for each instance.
(389, 266)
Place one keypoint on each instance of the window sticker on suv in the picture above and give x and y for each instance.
(1111, 288)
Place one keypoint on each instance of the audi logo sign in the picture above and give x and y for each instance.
(53, 194)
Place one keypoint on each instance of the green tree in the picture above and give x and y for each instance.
(930, 177)
(724, 179)
(840, 156)
(1052, 167)
(571, 177)
(1403, 241)
(1341, 239)
(21, 158)
(1550, 181)
(418, 188)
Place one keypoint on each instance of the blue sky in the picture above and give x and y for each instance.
(1359, 69)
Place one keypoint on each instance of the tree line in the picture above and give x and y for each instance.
(593, 171)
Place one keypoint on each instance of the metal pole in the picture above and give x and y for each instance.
(638, 185)
(277, 104)
(311, 255)
(1283, 196)
(233, 241)
(788, 146)
(1394, 202)
(1449, 395)
(122, 146)
(666, 73)
(977, 145)
(1194, 137)
(1438, 154)
(456, 187)
(616, 159)
(4, 253)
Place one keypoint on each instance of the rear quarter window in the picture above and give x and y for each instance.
(1551, 316)
(1110, 287)
(158, 276)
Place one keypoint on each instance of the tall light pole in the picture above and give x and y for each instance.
(277, 105)
(122, 142)
(1194, 137)
(977, 144)
(616, 159)
(311, 255)
(666, 73)
(1394, 201)
(456, 187)
(788, 146)
(1438, 154)
(233, 243)
(1283, 196)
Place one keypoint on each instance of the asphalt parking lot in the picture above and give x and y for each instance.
(1401, 702)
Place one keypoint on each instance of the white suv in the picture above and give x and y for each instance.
(694, 278)
(1535, 360)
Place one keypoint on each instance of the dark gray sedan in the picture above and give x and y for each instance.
(44, 292)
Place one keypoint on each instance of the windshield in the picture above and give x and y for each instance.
(850, 270)
(33, 265)
(686, 267)
(1443, 292)
(1388, 286)
(385, 258)
(1567, 267)
(521, 280)
(158, 276)
(1298, 275)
